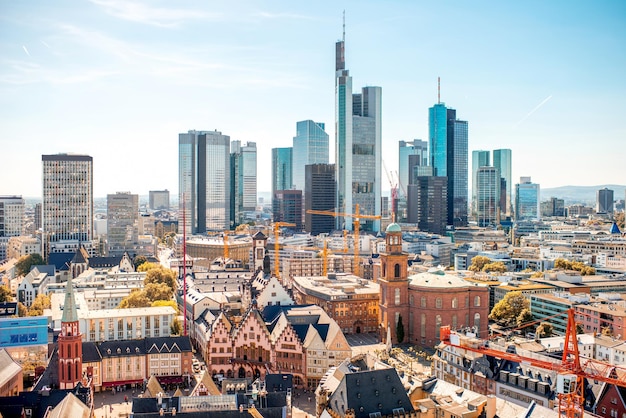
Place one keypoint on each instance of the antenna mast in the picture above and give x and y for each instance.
(438, 90)
(184, 269)
(344, 27)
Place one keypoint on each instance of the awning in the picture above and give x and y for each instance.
(121, 382)
(170, 379)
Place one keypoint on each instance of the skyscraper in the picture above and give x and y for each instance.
(479, 159)
(204, 185)
(358, 146)
(319, 194)
(416, 148)
(604, 201)
(526, 200)
(243, 164)
(503, 161)
(287, 207)
(159, 199)
(282, 162)
(11, 216)
(448, 145)
(310, 146)
(67, 201)
(427, 204)
(122, 222)
(487, 196)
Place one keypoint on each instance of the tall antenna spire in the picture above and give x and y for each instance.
(438, 90)
(344, 26)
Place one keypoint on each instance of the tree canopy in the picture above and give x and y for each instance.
(176, 328)
(5, 294)
(510, 308)
(585, 270)
(545, 329)
(25, 263)
(160, 274)
(40, 303)
(136, 299)
(400, 330)
(495, 267)
(478, 263)
(139, 260)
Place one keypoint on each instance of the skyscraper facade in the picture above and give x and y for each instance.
(67, 203)
(159, 199)
(448, 143)
(243, 166)
(122, 223)
(358, 147)
(526, 200)
(310, 146)
(204, 184)
(319, 194)
(503, 161)
(487, 196)
(479, 159)
(604, 201)
(11, 216)
(427, 204)
(282, 162)
(287, 207)
(416, 148)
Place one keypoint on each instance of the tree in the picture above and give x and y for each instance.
(580, 329)
(5, 294)
(25, 263)
(495, 267)
(509, 308)
(158, 291)
(545, 329)
(619, 219)
(478, 263)
(139, 260)
(607, 331)
(400, 330)
(171, 303)
(22, 310)
(160, 274)
(584, 269)
(136, 299)
(537, 275)
(524, 317)
(147, 266)
(176, 328)
(40, 303)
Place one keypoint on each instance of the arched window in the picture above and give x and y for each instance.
(423, 302)
(477, 301)
(396, 270)
(69, 351)
(423, 326)
(397, 296)
(437, 325)
(438, 303)
(454, 322)
(69, 371)
(411, 300)
(477, 321)
(455, 303)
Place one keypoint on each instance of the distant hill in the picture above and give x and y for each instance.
(581, 194)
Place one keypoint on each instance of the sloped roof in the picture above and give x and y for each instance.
(70, 406)
(8, 367)
(81, 256)
(208, 383)
(60, 261)
(100, 262)
(153, 388)
(70, 313)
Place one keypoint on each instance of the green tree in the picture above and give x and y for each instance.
(495, 267)
(22, 310)
(136, 299)
(509, 308)
(400, 330)
(5, 294)
(160, 274)
(170, 302)
(537, 275)
(544, 330)
(585, 270)
(139, 260)
(25, 263)
(478, 263)
(147, 266)
(158, 291)
(176, 328)
(524, 317)
(40, 303)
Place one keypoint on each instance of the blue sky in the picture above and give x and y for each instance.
(118, 80)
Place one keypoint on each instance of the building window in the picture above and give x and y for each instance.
(423, 302)
(437, 325)
(455, 303)
(477, 321)
(477, 301)
(396, 271)
(438, 303)
(397, 296)
(423, 325)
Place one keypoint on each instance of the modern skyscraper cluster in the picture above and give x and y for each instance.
(500, 188)
(527, 200)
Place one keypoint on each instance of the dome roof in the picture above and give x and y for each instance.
(393, 227)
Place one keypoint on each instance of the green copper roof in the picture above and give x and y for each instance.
(393, 227)
(69, 307)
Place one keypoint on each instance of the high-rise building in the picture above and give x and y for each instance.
(67, 203)
(287, 207)
(553, 207)
(526, 200)
(159, 199)
(282, 162)
(604, 201)
(243, 163)
(11, 216)
(319, 194)
(487, 196)
(502, 160)
(358, 147)
(310, 146)
(122, 222)
(448, 146)
(427, 204)
(417, 152)
(204, 185)
(479, 159)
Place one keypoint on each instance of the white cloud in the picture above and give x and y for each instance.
(157, 16)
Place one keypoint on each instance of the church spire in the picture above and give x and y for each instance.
(70, 313)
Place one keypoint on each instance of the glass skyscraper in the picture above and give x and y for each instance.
(243, 166)
(479, 159)
(418, 148)
(310, 146)
(487, 196)
(502, 160)
(526, 200)
(204, 181)
(448, 143)
(358, 147)
(282, 163)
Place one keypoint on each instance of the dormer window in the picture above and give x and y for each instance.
(119, 350)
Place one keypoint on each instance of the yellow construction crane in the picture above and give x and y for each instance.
(226, 254)
(357, 225)
(277, 226)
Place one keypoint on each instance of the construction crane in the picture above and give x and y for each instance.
(226, 253)
(324, 251)
(277, 226)
(357, 226)
(394, 193)
(572, 370)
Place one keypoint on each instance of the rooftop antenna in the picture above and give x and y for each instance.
(438, 90)
(344, 27)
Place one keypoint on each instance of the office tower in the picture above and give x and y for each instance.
(503, 161)
(553, 207)
(479, 159)
(159, 199)
(604, 201)
(358, 147)
(38, 214)
(204, 181)
(287, 207)
(526, 200)
(243, 177)
(427, 204)
(417, 152)
(122, 222)
(487, 196)
(310, 146)
(11, 216)
(282, 169)
(448, 138)
(67, 203)
(319, 194)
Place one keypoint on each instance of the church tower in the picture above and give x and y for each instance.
(394, 287)
(259, 243)
(70, 344)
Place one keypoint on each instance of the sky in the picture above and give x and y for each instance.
(120, 79)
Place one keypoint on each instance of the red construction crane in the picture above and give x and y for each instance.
(572, 370)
